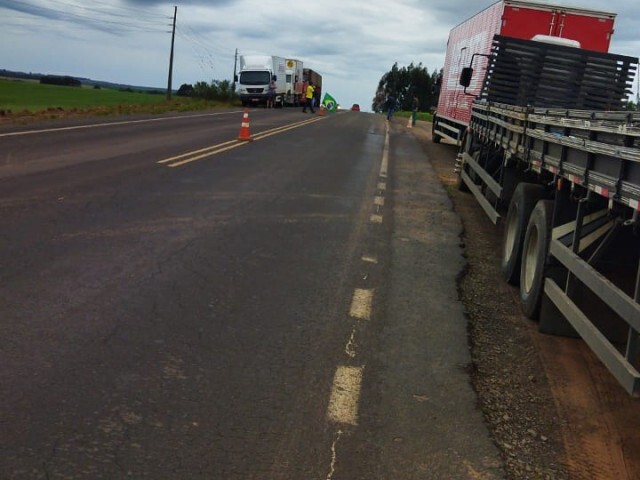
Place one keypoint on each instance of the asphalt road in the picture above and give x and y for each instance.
(178, 304)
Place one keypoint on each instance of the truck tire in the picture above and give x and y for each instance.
(523, 201)
(434, 136)
(534, 258)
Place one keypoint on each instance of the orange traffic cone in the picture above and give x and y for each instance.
(321, 111)
(410, 123)
(244, 129)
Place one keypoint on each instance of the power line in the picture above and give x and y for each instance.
(90, 18)
(208, 54)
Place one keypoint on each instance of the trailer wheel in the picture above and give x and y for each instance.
(534, 258)
(434, 136)
(523, 201)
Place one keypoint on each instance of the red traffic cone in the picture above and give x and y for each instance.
(244, 129)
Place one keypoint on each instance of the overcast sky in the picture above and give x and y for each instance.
(352, 43)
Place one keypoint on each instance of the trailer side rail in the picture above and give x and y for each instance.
(598, 152)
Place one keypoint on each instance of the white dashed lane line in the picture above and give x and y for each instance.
(344, 399)
(361, 304)
(369, 259)
(345, 395)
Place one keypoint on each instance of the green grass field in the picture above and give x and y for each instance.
(17, 96)
(26, 97)
(29, 97)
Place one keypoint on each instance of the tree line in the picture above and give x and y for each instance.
(405, 82)
(221, 90)
(65, 81)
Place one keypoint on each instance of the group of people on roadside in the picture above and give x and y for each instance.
(310, 98)
(390, 107)
(390, 101)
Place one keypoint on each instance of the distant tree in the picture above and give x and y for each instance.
(403, 83)
(185, 90)
(217, 90)
(202, 90)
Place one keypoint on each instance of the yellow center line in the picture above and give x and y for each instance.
(199, 154)
(268, 133)
(213, 147)
(208, 154)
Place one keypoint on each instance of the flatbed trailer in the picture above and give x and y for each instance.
(569, 181)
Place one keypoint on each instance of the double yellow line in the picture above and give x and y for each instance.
(196, 155)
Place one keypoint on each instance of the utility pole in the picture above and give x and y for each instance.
(173, 37)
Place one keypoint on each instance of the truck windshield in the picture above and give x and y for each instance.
(254, 78)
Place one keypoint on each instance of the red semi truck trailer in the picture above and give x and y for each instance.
(587, 29)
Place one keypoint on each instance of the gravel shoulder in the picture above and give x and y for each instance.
(553, 410)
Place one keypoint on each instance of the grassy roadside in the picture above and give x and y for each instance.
(23, 99)
(425, 116)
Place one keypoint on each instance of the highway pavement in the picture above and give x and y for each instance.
(176, 303)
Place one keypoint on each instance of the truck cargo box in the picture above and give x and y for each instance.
(590, 29)
(311, 76)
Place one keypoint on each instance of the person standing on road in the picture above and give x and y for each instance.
(309, 98)
(390, 105)
(271, 94)
(415, 106)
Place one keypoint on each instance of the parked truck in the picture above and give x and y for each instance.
(549, 152)
(590, 29)
(257, 71)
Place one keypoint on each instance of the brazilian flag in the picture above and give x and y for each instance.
(329, 103)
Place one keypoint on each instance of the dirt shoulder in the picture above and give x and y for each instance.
(554, 411)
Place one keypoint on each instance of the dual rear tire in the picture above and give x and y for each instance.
(525, 244)
(534, 258)
(523, 201)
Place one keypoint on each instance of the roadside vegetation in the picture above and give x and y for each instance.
(403, 83)
(426, 116)
(23, 99)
